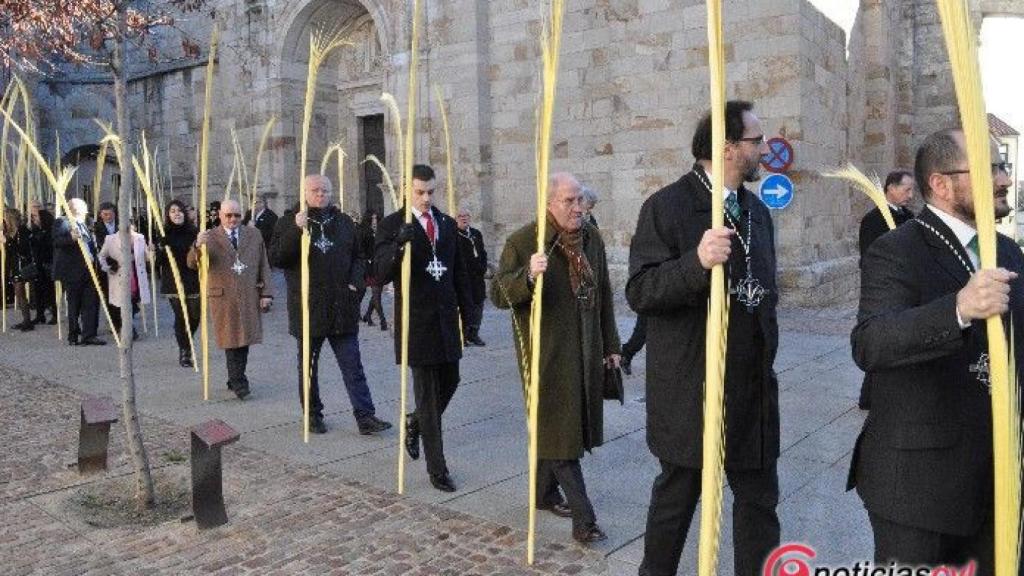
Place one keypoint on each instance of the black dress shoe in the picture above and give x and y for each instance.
(52, 321)
(73, 340)
(25, 326)
(371, 425)
(317, 425)
(39, 319)
(442, 482)
(589, 534)
(383, 325)
(560, 509)
(412, 438)
(185, 358)
(476, 341)
(92, 341)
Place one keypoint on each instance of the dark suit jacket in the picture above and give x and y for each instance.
(668, 285)
(68, 265)
(924, 457)
(434, 307)
(872, 226)
(266, 223)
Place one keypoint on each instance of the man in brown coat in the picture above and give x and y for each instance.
(238, 287)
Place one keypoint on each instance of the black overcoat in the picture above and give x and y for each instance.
(333, 305)
(668, 285)
(924, 457)
(434, 306)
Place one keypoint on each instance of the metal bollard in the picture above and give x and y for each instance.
(94, 433)
(207, 482)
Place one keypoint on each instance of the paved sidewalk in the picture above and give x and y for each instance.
(484, 435)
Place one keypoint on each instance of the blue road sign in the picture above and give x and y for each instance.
(777, 191)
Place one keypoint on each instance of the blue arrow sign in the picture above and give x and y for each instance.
(776, 191)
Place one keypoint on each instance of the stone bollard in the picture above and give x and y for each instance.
(94, 433)
(207, 482)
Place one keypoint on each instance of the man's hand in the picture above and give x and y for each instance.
(987, 294)
(715, 247)
(352, 288)
(76, 235)
(406, 233)
(265, 304)
(202, 237)
(613, 361)
(300, 220)
(538, 265)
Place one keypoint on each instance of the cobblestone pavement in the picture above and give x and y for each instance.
(284, 518)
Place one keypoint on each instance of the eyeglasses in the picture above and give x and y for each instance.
(230, 215)
(755, 139)
(997, 167)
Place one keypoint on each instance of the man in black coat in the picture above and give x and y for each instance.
(471, 246)
(263, 219)
(106, 225)
(335, 278)
(670, 260)
(71, 270)
(899, 189)
(923, 462)
(438, 289)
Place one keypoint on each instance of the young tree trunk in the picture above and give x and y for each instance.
(144, 494)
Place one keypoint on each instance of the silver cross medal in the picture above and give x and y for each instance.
(749, 292)
(238, 267)
(323, 244)
(436, 268)
(981, 369)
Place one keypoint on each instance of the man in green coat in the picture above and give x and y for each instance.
(578, 341)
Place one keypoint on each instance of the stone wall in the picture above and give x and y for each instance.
(633, 85)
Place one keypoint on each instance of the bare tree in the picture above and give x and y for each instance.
(43, 35)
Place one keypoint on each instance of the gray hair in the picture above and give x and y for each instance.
(589, 196)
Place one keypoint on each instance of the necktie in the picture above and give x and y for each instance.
(733, 206)
(431, 233)
(234, 239)
(972, 249)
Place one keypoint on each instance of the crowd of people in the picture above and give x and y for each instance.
(922, 464)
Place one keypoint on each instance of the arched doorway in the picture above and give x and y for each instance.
(347, 108)
(84, 159)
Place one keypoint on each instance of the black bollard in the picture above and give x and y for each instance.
(207, 482)
(94, 433)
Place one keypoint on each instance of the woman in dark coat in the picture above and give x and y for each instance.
(179, 234)
(15, 237)
(578, 340)
(368, 231)
(41, 240)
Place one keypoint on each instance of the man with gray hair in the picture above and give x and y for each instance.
(589, 201)
(471, 246)
(238, 286)
(336, 276)
(579, 342)
(72, 271)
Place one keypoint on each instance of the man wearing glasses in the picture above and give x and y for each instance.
(670, 260)
(238, 288)
(923, 462)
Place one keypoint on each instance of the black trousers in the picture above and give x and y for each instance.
(375, 304)
(43, 294)
(864, 401)
(237, 359)
(569, 475)
(473, 312)
(115, 312)
(637, 339)
(915, 546)
(181, 332)
(83, 309)
(433, 387)
(755, 524)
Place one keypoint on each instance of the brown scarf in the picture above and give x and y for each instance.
(571, 244)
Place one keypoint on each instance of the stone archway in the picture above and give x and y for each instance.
(348, 92)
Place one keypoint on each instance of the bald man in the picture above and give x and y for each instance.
(238, 287)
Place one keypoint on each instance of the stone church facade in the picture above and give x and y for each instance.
(633, 84)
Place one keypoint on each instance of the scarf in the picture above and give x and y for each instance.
(581, 275)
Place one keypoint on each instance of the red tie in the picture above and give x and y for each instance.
(431, 233)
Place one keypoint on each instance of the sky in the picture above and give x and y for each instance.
(1002, 69)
